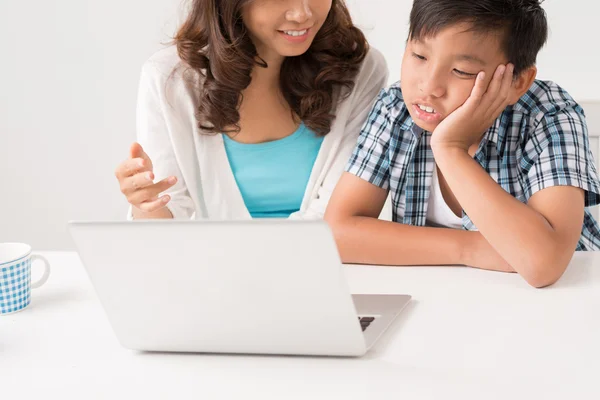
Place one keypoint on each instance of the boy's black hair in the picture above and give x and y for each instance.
(522, 22)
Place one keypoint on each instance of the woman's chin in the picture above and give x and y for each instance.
(292, 52)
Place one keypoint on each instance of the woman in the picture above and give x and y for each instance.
(253, 113)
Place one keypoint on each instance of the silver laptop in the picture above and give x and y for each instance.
(252, 287)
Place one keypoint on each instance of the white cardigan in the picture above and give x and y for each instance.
(206, 188)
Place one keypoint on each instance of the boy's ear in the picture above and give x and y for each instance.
(522, 83)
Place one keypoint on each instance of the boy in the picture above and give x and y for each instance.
(469, 140)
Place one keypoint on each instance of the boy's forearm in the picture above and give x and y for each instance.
(366, 240)
(520, 234)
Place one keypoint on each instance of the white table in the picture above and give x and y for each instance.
(467, 334)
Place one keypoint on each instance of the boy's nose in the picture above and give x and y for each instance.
(432, 89)
(432, 85)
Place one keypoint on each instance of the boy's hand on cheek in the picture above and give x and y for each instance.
(466, 125)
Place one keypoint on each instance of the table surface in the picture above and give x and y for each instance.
(467, 334)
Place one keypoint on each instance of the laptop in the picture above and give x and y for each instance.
(249, 287)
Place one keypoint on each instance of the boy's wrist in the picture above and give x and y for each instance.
(449, 150)
(470, 248)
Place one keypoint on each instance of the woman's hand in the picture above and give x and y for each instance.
(136, 179)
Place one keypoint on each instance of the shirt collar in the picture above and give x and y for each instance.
(416, 130)
(409, 125)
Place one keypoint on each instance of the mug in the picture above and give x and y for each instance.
(15, 276)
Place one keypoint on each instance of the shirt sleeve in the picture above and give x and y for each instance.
(370, 160)
(561, 155)
(153, 136)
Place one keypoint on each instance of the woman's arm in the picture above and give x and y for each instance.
(154, 136)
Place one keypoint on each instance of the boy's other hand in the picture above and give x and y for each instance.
(480, 254)
(466, 125)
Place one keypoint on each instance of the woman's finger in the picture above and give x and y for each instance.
(131, 167)
(151, 192)
(154, 205)
(137, 151)
(137, 182)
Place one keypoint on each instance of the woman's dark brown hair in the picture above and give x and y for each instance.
(214, 42)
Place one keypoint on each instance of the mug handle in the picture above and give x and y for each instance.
(44, 277)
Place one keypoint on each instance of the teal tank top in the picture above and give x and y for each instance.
(272, 176)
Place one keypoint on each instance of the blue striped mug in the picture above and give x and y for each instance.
(15, 276)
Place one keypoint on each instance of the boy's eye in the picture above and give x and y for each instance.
(420, 57)
(464, 74)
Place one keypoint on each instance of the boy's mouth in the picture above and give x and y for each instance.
(426, 113)
(427, 109)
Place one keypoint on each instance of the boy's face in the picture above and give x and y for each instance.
(439, 73)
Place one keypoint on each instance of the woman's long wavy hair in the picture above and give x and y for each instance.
(214, 42)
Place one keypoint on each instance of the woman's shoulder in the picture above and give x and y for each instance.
(374, 62)
(373, 69)
(163, 62)
(166, 65)
(373, 74)
(370, 79)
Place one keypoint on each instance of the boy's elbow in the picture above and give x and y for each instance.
(544, 272)
(540, 281)
(332, 218)
(336, 223)
(341, 228)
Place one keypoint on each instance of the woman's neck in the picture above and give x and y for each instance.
(265, 88)
(267, 78)
(265, 115)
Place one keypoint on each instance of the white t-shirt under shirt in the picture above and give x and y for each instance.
(438, 212)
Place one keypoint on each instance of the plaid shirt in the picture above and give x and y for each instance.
(541, 141)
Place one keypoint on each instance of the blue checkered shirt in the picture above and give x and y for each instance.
(539, 142)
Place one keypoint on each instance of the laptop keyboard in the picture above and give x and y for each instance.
(365, 322)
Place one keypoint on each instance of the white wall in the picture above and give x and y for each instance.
(69, 72)
(68, 79)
